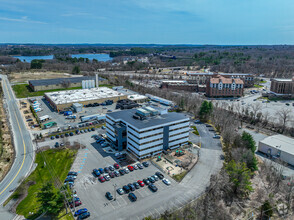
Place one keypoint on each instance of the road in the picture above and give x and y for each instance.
(24, 153)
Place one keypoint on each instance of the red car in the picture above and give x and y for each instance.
(116, 166)
(77, 203)
(102, 179)
(141, 183)
(131, 168)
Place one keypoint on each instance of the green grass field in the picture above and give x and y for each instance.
(24, 91)
(61, 161)
(258, 86)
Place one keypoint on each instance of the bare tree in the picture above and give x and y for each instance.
(283, 117)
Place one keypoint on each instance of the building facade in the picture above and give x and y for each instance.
(146, 131)
(283, 86)
(220, 86)
(61, 83)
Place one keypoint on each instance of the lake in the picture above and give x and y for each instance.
(98, 56)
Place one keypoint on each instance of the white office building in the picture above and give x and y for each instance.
(146, 131)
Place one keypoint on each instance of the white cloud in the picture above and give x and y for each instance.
(23, 19)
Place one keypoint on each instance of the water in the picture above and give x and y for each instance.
(98, 56)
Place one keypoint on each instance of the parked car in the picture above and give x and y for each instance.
(71, 134)
(145, 164)
(96, 172)
(147, 182)
(216, 136)
(72, 176)
(132, 187)
(69, 179)
(160, 175)
(52, 137)
(56, 144)
(122, 172)
(140, 166)
(141, 183)
(126, 188)
(92, 129)
(102, 179)
(111, 174)
(131, 168)
(135, 166)
(166, 181)
(72, 173)
(151, 179)
(101, 170)
(155, 177)
(126, 170)
(132, 197)
(120, 191)
(106, 169)
(80, 211)
(116, 173)
(66, 134)
(75, 204)
(116, 166)
(111, 168)
(109, 196)
(107, 177)
(153, 187)
(136, 185)
(57, 136)
(84, 215)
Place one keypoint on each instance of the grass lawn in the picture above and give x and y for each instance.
(258, 86)
(24, 91)
(195, 130)
(61, 160)
(179, 177)
(262, 81)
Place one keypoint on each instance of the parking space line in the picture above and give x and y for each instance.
(157, 211)
(179, 201)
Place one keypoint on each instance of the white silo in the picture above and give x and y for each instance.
(92, 83)
(83, 84)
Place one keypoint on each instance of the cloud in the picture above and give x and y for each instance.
(23, 19)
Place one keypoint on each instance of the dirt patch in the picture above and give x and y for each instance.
(25, 76)
(27, 115)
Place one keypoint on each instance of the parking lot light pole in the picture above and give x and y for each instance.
(114, 185)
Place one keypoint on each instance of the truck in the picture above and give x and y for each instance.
(97, 117)
(50, 124)
(66, 113)
(45, 118)
(71, 117)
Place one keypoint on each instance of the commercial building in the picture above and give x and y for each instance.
(278, 147)
(178, 85)
(283, 87)
(61, 83)
(160, 100)
(147, 131)
(220, 86)
(202, 78)
(137, 98)
(65, 99)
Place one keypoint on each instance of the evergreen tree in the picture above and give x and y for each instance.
(76, 70)
(205, 110)
(249, 141)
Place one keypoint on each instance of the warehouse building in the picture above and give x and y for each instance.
(64, 99)
(147, 131)
(278, 147)
(137, 98)
(61, 83)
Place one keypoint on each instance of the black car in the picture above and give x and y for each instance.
(132, 197)
(71, 134)
(109, 196)
(111, 174)
(71, 173)
(145, 164)
(131, 186)
(151, 179)
(137, 186)
(89, 129)
(147, 182)
(66, 134)
(106, 169)
(57, 136)
(92, 129)
(69, 179)
(84, 215)
(160, 175)
(126, 188)
(152, 187)
(62, 135)
(111, 168)
(122, 172)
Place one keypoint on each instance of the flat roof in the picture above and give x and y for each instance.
(127, 116)
(46, 82)
(135, 97)
(280, 142)
(283, 80)
(80, 95)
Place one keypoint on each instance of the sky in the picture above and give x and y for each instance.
(221, 22)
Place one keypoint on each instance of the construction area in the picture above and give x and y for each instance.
(64, 99)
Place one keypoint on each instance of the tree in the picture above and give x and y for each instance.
(249, 141)
(239, 176)
(284, 115)
(266, 210)
(37, 64)
(50, 198)
(76, 70)
(205, 110)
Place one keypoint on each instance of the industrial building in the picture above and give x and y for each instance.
(126, 104)
(160, 100)
(137, 98)
(182, 85)
(147, 131)
(61, 83)
(64, 99)
(278, 147)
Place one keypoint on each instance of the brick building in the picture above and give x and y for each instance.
(220, 86)
(283, 86)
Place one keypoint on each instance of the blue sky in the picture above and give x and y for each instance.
(223, 22)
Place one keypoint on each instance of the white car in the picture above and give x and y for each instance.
(166, 181)
(127, 170)
(135, 166)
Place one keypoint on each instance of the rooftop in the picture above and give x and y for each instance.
(74, 96)
(225, 80)
(127, 116)
(135, 97)
(280, 142)
(45, 82)
(284, 80)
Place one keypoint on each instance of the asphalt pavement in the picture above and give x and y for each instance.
(24, 152)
